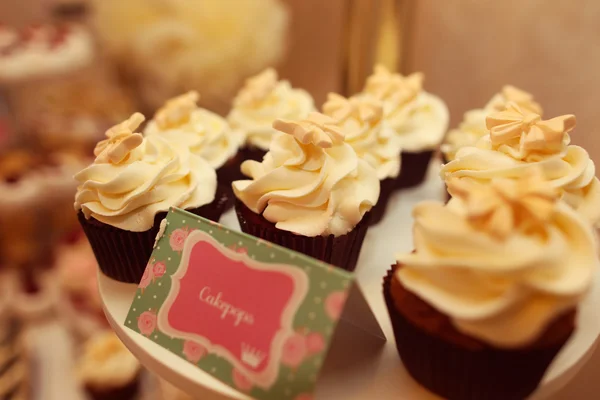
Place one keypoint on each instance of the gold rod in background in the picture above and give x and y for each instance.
(390, 37)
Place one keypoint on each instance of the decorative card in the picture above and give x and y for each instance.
(254, 315)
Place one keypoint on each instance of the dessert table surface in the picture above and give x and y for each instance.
(372, 369)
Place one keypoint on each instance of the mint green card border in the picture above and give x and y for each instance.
(311, 317)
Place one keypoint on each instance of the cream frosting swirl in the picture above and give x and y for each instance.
(106, 363)
(419, 118)
(520, 140)
(264, 99)
(133, 179)
(311, 182)
(472, 128)
(204, 133)
(501, 260)
(361, 120)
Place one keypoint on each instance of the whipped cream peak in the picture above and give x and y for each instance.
(177, 111)
(385, 85)
(362, 108)
(505, 205)
(257, 88)
(521, 133)
(121, 140)
(317, 129)
(513, 94)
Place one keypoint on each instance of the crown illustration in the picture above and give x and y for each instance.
(252, 356)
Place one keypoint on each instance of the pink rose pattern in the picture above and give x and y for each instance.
(304, 396)
(147, 322)
(294, 351)
(315, 343)
(147, 277)
(193, 351)
(334, 304)
(159, 269)
(177, 238)
(241, 382)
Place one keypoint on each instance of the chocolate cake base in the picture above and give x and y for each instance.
(129, 392)
(377, 212)
(413, 169)
(340, 251)
(458, 367)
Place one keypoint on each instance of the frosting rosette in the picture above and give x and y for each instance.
(262, 100)
(185, 125)
(311, 182)
(133, 178)
(518, 141)
(420, 119)
(472, 128)
(503, 260)
(373, 139)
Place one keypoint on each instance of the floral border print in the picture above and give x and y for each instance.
(256, 316)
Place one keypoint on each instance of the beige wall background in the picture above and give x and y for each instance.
(470, 48)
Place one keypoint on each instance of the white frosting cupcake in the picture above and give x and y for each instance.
(263, 100)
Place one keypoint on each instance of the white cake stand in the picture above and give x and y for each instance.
(358, 366)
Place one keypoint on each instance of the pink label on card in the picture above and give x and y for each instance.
(234, 306)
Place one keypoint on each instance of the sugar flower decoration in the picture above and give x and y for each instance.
(318, 129)
(121, 140)
(177, 111)
(523, 133)
(257, 88)
(513, 94)
(505, 204)
(361, 108)
(385, 85)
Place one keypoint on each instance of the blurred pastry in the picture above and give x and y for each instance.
(14, 361)
(22, 242)
(107, 370)
(472, 128)
(261, 101)
(77, 271)
(419, 118)
(39, 51)
(36, 294)
(169, 47)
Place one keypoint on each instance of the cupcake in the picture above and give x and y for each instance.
(81, 306)
(472, 128)
(35, 294)
(420, 120)
(519, 140)
(311, 193)
(126, 192)
(22, 243)
(107, 370)
(260, 102)
(372, 138)
(39, 51)
(493, 283)
(204, 133)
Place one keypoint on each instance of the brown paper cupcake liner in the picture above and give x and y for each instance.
(128, 392)
(447, 196)
(340, 251)
(413, 169)
(123, 255)
(387, 188)
(228, 173)
(253, 153)
(459, 373)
